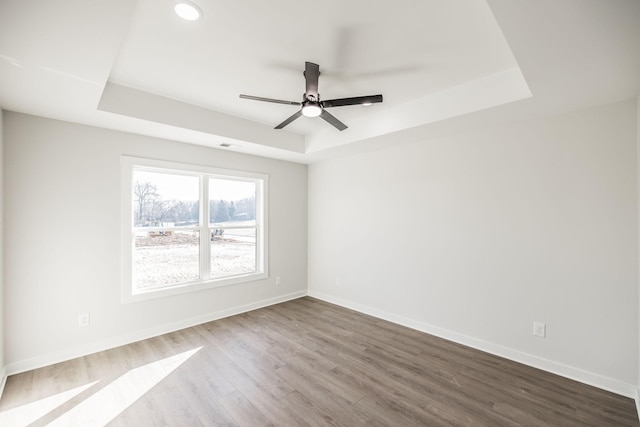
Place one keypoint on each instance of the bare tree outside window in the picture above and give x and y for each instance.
(145, 194)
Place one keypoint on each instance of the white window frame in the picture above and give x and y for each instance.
(128, 165)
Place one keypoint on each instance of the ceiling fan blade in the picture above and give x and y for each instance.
(311, 74)
(332, 120)
(358, 100)
(289, 120)
(276, 101)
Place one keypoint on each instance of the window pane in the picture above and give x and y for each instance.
(165, 200)
(233, 251)
(232, 202)
(164, 258)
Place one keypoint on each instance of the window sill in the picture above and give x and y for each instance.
(183, 288)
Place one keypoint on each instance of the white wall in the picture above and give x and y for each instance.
(62, 237)
(475, 236)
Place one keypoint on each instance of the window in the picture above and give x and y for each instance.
(190, 227)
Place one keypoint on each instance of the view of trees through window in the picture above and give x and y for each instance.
(169, 235)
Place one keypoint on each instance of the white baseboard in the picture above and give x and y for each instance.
(3, 380)
(106, 344)
(590, 378)
(637, 399)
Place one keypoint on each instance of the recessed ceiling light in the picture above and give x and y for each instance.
(188, 11)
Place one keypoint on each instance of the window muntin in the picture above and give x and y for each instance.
(168, 246)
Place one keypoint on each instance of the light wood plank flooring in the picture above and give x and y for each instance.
(303, 363)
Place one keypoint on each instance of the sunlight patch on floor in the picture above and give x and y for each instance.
(107, 403)
(26, 414)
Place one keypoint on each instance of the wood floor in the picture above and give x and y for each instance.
(301, 363)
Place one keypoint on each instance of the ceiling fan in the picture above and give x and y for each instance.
(311, 104)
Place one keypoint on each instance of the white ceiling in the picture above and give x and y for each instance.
(442, 66)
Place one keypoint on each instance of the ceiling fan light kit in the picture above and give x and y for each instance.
(187, 10)
(311, 110)
(312, 106)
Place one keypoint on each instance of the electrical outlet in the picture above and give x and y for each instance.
(84, 319)
(278, 280)
(539, 329)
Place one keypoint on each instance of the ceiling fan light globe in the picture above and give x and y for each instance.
(311, 110)
(187, 10)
